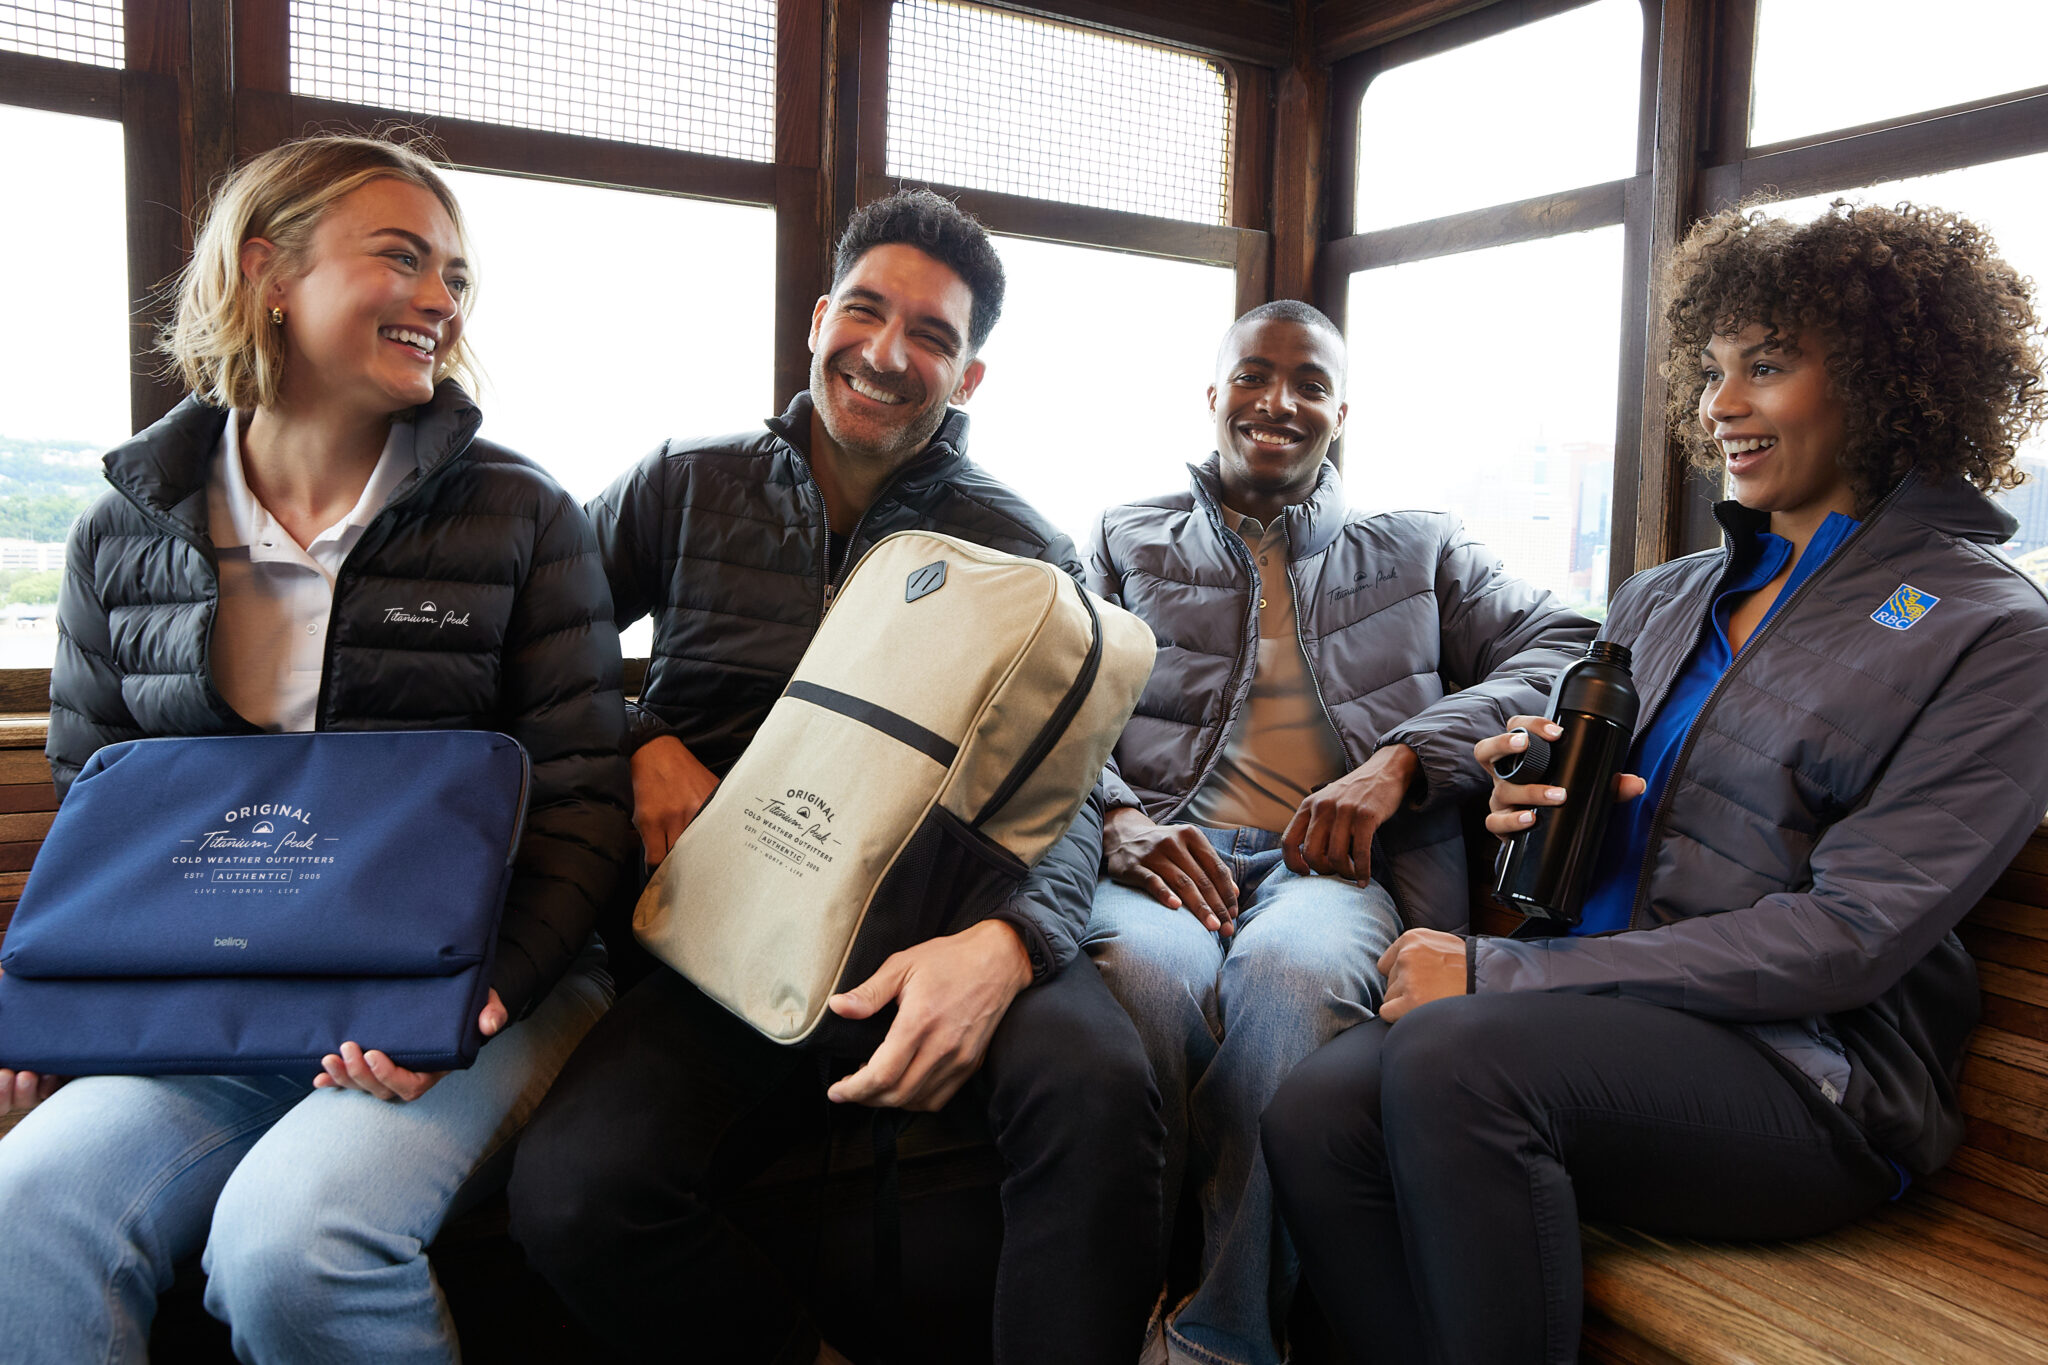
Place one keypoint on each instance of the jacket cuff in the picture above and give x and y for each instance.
(1038, 947)
(515, 978)
(1116, 792)
(1446, 770)
(643, 725)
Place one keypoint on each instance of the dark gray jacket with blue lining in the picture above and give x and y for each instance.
(1413, 632)
(722, 541)
(483, 533)
(1847, 793)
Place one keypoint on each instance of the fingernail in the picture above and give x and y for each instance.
(1554, 794)
(1518, 741)
(1553, 729)
(1527, 817)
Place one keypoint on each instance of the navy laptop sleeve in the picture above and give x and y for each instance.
(242, 904)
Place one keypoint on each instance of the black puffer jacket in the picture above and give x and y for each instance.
(1414, 634)
(483, 533)
(723, 541)
(1848, 791)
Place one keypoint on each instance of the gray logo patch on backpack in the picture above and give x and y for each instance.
(925, 581)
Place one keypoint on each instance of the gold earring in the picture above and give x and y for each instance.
(277, 317)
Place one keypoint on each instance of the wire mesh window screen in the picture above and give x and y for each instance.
(994, 101)
(74, 30)
(695, 75)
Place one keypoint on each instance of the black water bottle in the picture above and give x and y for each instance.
(1545, 869)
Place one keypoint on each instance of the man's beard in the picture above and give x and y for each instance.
(892, 447)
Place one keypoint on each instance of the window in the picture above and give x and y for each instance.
(697, 75)
(593, 353)
(1096, 378)
(1826, 66)
(1487, 375)
(72, 30)
(2003, 197)
(1544, 107)
(63, 359)
(1484, 384)
(1108, 163)
(986, 100)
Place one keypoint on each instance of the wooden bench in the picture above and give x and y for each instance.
(1957, 1271)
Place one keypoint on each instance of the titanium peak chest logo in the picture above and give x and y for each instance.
(1904, 608)
(429, 614)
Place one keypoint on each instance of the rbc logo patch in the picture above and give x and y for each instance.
(1904, 608)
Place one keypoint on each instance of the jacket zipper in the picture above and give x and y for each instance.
(1209, 755)
(1762, 633)
(212, 558)
(828, 589)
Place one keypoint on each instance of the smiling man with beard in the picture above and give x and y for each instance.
(1289, 785)
(735, 545)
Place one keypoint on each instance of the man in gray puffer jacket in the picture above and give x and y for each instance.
(1321, 679)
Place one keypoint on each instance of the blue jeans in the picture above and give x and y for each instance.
(320, 1203)
(1223, 1021)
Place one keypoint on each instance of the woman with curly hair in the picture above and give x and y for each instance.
(1755, 1027)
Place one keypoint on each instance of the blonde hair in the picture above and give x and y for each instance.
(220, 340)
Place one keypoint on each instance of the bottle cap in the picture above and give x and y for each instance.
(1527, 766)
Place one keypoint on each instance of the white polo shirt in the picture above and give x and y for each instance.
(270, 636)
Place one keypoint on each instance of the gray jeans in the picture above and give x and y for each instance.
(1224, 1019)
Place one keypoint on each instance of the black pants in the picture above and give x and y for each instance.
(1434, 1172)
(671, 1102)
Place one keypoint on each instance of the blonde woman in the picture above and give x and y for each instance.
(241, 576)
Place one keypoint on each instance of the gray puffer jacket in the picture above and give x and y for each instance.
(722, 541)
(1414, 635)
(483, 533)
(1848, 792)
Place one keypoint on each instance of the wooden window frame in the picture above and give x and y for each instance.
(1693, 158)
(1244, 244)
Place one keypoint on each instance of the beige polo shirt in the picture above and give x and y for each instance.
(270, 634)
(1282, 746)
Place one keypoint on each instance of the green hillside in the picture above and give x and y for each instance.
(44, 485)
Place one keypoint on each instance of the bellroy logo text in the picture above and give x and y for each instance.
(429, 614)
(1904, 608)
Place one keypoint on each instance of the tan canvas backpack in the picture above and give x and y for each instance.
(945, 725)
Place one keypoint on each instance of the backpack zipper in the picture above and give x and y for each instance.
(1062, 716)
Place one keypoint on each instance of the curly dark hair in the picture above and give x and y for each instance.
(1934, 345)
(940, 229)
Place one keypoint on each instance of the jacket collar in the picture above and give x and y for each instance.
(1311, 524)
(1948, 507)
(164, 468)
(940, 459)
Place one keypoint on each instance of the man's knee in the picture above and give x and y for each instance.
(567, 1190)
(1070, 1065)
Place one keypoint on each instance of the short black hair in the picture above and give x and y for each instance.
(1295, 311)
(939, 228)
